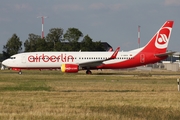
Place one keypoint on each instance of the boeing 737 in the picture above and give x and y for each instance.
(71, 62)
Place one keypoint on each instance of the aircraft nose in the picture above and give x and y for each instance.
(5, 63)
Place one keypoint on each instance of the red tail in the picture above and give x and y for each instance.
(159, 42)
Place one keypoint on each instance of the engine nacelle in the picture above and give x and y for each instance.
(70, 68)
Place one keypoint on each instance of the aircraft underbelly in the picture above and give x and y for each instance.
(43, 65)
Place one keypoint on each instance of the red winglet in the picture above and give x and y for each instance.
(110, 50)
(113, 56)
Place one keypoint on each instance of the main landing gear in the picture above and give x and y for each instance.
(88, 72)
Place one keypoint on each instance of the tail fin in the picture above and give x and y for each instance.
(159, 42)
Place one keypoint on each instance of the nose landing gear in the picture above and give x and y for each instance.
(20, 72)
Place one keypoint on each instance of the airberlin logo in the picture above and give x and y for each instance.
(51, 58)
(162, 38)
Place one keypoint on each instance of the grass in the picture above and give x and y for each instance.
(52, 95)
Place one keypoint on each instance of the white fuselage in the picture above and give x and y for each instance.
(56, 59)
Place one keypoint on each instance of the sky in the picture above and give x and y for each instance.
(112, 21)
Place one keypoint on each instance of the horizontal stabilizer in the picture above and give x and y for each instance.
(164, 54)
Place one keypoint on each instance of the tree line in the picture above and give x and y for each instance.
(54, 41)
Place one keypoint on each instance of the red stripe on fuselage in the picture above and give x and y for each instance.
(149, 58)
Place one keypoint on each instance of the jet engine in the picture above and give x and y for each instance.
(70, 68)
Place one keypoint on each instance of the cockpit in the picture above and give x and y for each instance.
(10, 61)
(12, 57)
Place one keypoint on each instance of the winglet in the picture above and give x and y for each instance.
(110, 50)
(113, 56)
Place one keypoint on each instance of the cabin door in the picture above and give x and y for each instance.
(23, 60)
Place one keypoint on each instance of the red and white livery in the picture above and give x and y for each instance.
(72, 62)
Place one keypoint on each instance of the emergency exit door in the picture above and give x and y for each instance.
(23, 60)
(142, 58)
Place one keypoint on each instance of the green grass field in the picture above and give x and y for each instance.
(106, 95)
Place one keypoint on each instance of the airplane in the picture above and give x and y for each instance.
(72, 62)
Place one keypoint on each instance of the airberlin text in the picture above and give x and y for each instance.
(51, 58)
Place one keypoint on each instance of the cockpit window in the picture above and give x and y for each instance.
(12, 57)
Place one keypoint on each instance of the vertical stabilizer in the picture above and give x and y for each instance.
(159, 42)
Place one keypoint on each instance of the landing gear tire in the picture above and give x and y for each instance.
(88, 72)
(19, 72)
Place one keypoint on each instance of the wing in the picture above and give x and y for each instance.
(99, 62)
